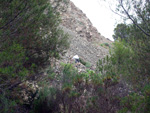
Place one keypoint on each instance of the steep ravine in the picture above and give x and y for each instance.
(84, 41)
(84, 38)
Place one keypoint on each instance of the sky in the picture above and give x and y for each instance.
(100, 15)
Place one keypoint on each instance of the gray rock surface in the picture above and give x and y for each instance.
(84, 38)
(84, 49)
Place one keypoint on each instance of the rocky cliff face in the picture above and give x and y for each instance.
(74, 19)
(84, 38)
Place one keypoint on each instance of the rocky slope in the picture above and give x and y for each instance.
(84, 38)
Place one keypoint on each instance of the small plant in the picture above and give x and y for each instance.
(105, 45)
(87, 64)
(82, 61)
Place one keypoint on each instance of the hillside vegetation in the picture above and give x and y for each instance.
(31, 40)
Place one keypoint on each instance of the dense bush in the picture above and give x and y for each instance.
(34, 26)
(29, 37)
(12, 59)
(130, 65)
(129, 59)
(125, 62)
(75, 92)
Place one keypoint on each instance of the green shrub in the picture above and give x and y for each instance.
(74, 86)
(12, 61)
(87, 64)
(29, 37)
(38, 31)
(106, 45)
(127, 63)
(122, 60)
(82, 61)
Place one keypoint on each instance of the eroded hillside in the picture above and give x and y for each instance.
(84, 39)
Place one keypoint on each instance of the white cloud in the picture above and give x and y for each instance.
(99, 14)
